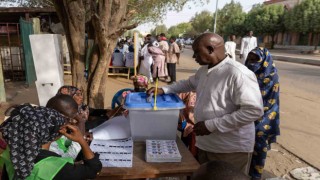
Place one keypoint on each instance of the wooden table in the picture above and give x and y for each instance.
(143, 169)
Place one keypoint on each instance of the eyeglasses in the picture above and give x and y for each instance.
(69, 119)
(78, 94)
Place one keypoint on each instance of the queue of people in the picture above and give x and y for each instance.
(230, 120)
(158, 58)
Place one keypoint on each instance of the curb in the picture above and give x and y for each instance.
(296, 60)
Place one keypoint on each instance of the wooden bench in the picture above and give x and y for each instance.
(120, 73)
(65, 69)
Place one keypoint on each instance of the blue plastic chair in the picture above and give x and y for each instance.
(115, 100)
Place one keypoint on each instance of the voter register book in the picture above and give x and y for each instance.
(162, 151)
(114, 153)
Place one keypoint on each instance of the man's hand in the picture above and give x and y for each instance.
(152, 90)
(200, 129)
(72, 132)
(241, 56)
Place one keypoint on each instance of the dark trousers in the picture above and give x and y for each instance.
(172, 71)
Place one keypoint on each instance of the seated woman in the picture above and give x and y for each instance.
(29, 132)
(186, 121)
(140, 84)
(95, 117)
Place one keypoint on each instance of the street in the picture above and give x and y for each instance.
(299, 105)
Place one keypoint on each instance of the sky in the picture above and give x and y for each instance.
(173, 18)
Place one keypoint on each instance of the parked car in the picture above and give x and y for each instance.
(180, 43)
(189, 41)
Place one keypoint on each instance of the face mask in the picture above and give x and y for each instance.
(140, 89)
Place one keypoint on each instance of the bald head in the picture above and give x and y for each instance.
(64, 104)
(209, 49)
(209, 39)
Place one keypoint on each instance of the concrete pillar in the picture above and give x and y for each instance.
(2, 90)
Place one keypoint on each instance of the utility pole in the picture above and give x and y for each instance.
(215, 18)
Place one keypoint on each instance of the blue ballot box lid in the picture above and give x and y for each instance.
(138, 100)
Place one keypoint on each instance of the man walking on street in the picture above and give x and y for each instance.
(247, 44)
(173, 58)
(228, 102)
(231, 47)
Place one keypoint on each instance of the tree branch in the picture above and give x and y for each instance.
(123, 29)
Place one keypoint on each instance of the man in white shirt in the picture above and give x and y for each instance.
(247, 44)
(228, 102)
(231, 47)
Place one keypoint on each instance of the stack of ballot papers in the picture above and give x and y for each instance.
(114, 153)
(162, 151)
(115, 128)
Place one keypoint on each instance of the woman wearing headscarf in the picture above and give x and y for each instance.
(93, 117)
(158, 68)
(145, 65)
(29, 131)
(259, 61)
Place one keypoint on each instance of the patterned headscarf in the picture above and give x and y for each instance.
(25, 131)
(71, 91)
(140, 79)
(267, 76)
(68, 90)
(140, 83)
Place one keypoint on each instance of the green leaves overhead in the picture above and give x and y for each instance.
(266, 19)
(231, 19)
(304, 17)
(202, 21)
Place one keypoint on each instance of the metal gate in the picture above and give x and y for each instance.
(11, 52)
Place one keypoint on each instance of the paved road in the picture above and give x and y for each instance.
(300, 106)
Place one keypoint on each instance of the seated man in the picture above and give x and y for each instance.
(214, 170)
(64, 146)
(29, 131)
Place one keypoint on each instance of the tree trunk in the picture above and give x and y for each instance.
(109, 20)
(316, 40)
(72, 17)
(272, 40)
(108, 23)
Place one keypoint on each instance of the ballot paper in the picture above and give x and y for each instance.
(162, 151)
(114, 153)
(115, 128)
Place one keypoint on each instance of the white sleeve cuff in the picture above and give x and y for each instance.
(166, 90)
(210, 125)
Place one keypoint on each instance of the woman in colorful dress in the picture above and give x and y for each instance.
(259, 61)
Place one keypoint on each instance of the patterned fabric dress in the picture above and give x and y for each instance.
(267, 128)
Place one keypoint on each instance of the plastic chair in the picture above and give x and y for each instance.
(115, 100)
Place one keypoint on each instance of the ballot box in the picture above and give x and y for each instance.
(147, 123)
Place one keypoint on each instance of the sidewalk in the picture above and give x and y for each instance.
(288, 55)
(295, 56)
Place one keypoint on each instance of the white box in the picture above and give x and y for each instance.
(47, 57)
(47, 90)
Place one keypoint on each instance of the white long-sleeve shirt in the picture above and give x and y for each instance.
(231, 48)
(247, 44)
(229, 101)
